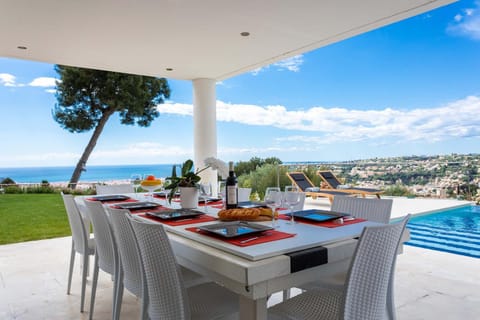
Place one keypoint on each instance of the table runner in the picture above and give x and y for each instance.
(326, 224)
(266, 236)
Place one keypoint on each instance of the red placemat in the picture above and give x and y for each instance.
(180, 222)
(326, 224)
(266, 236)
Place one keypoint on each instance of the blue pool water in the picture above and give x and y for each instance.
(454, 230)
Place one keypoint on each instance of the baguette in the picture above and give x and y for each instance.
(245, 214)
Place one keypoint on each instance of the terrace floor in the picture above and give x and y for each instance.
(429, 284)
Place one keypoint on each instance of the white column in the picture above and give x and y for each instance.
(205, 128)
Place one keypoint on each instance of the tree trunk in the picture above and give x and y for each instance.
(88, 150)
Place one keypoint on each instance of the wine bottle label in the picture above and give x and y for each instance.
(231, 194)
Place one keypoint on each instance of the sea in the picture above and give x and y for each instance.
(92, 173)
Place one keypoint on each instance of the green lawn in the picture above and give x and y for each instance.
(26, 217)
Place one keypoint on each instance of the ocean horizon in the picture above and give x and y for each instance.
(92, 174)
(99, 173)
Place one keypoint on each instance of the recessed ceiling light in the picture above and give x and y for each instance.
(169, 69)
(245, 33)
(22, 47)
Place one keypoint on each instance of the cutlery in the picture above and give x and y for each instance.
(186, 219)
(249, 239)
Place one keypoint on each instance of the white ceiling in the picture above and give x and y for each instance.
(196, 38)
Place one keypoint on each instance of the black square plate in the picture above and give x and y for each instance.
(252, 204)
(137, 205)
(171, 214)
(234, 228)
(111, 197)
(317, 215)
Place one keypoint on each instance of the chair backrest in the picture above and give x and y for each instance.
(371, 270)
(79, 233)
(244, 194)
(378, 210)
(106, 248)
(168, 298)
(114, 188)
(128, 251)
(329, 178)
(300, 180)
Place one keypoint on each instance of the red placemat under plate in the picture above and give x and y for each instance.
(266, 236)
(326, 224)
(181, 221)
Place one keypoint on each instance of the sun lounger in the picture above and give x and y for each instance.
(333, 183)
(303, 183)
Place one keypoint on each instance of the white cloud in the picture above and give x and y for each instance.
(291, 64)
(458, 119)
(51, 90)
(43, 82)
(7, 80)
(467, 23)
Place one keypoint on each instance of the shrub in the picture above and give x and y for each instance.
(398, 190)
(268, 175)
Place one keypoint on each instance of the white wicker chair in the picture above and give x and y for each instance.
(378, 210)
(130, 273)
(114, 188)
(372, 209)
(106, 254)
(169, 299)
(81, 243)
(365, 292)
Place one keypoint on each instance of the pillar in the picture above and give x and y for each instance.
(205, 128)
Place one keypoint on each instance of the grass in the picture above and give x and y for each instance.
(26, 217)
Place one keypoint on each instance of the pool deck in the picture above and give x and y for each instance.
(429, 284)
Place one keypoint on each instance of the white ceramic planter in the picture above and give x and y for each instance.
(188, 197)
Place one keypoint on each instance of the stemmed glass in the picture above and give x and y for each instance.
(135, 180)
(292, 198)
(206, 194)
(273, 199)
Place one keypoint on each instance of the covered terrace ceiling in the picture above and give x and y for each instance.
(187, 39)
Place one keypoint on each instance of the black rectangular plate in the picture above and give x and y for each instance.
(111, 197)
(138, 205)
(210, 199)
(252, 204)
(172, 214)
(165, 193)
(234, 228)
(317, 215)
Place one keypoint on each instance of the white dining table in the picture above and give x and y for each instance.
(257, 271)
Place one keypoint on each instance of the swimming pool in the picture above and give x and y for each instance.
(454, 230)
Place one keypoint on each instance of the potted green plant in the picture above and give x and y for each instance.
(188, 179)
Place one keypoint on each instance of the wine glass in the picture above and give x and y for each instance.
(221, 191)
(273, 199)
(292, 198)
(135, 180)
(206, 194)
(150, 183)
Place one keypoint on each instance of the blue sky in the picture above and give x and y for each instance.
(411, 88)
